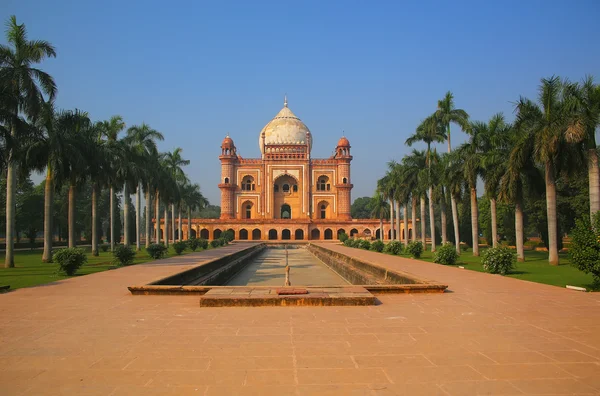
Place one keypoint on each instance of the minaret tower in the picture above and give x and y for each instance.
(227, 185)
(344, 185)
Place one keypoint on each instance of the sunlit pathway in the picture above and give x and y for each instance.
(488, 335)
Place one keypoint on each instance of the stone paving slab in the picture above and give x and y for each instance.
(90, 335)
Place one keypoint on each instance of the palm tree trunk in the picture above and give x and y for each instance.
(126, 214)
(431, 219)
(413, 208)
(157, 224)
(179, 238)
(71, 216)
(405, 223)
(94, 219)
(519, 230)
(11, 189)
(397, 238)
(166, 224)
(494, 223)
(138, 208)
(455, 223)
(443, 217)
(189, 213)
(422, 222)
(474, 222)
(381, 228)
(112, 219)
(48, 202)
(551, 214)
(594, 182)
(148, 212)
(392, 203)
(173, 223)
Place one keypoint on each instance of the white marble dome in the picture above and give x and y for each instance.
(284, 128)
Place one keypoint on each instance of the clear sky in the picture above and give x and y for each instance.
(199, 70)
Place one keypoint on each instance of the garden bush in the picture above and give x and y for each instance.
(446, 254)
(193, 244)
(216, 243)
(104, 248)
(343, 237)
(464, 247)
(228, 236)
(123, 255)
(69, 259)
(585, 246)
(498, 260)
(157, 250)
(393, 247)
(203, 243)
(377, 246)
(415, 249)
(179, 247)
(364, 244)
(349, 243)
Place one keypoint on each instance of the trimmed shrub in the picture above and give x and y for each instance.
(104, 248)
(69, 259)
(216, 243)
(393, 247)
(446, 255)
(585, 246)
(157, 250)
(499, 260)
(364, 244)
(464, 247)
(123, 255)
(415, 249)
(377, 246)
(193, 244)
(228, 236)
(203, 243)
(343, 237)
(348, 243)
(179, 247)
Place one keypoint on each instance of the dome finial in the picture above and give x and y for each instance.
(285, 100)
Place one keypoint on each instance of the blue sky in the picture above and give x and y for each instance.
(199, 70)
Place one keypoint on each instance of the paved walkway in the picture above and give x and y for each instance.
(489, 335)
(268, 269)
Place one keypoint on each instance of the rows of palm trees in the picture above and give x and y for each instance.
(73, 150)
(551, 137)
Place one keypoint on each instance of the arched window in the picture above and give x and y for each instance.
(276, 188)
(248, 183)
(323, 211)
(226, 180)
(248, 211)
(344, 180)
(322, 183)
(286, 188)
(295, 188)
(286, 211)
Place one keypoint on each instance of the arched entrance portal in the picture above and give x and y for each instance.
(353, 232)
(340, 232)
(256, 234)
(216, 234)
(315, 234)
(286, 235)
(244, 234)
(192, 233)
(272, 235)
(286, 211)
(328, 234)
(299, 235)
(204, 233)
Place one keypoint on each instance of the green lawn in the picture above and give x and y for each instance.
(30, 271)
(534, 269)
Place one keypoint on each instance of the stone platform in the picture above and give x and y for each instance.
(286, 296)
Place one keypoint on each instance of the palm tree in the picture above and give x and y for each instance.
(110, 130)
(24, 86)
(493, 145)
(471, 158)
(454, 181)
(414, 166)
(379, 209)
(193, 199)
(386, 186)
(582, 129)
(174, 162)
(429, 131)
(545, 125)
(449, 114)
(142, 139)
